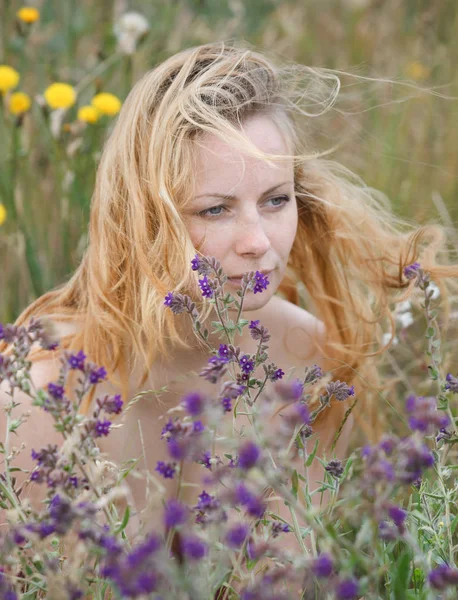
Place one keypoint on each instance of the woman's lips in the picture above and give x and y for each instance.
(238, 280)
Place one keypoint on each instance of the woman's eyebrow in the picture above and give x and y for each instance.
(232, 198)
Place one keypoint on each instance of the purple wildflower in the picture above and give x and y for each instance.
(278, 374)
(451, 384)
(289, 391)
(223, 351)
(143, 551)
(424, 416)
(167, 470)
(111, 404)
(312, 375)
(398, 515)
(206, 460)
(279, 527)
(322, 565)
(246, 363)
(335, 468)
(347, 589)
(175, 513)
(195, 262)
(193, 547)
(205, 286)
(249, 454)
(227, 404)
(194, 403)
(215, 369)
(411, 271)
(236, 535)
(76, 361)
(442, 576)
(97, 375)
(56, 391)
(340, 390)
(260, 281)
(102, 427)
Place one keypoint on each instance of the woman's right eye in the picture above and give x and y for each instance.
(204, 213)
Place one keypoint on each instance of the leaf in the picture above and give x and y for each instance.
(124, 521)
(312, 455)
(401, 575)
(295, 483)
(430, 332)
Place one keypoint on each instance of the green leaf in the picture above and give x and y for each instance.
(430, 332)
(312, 455)
(401, 575)
(124, 521)
(433, 372)
(295, 483)
(14, 425)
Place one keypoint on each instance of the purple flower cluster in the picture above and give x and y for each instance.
(194, 403)
(136, 572)
(443, 576)
(390, 531)
(395, 460)
(254, 505)
(53, 470)
(259, 332)
(451, 384)
(424, 416)
(322, 565)
(184, 439)
(167, 470)
(6, 591)
(175, 514)
(335, 468)
(209, 509)
(236, 535)
(412, 271)
(249, 454)
(58, 519)
(340, 390)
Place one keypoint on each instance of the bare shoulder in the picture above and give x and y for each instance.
(301, 330)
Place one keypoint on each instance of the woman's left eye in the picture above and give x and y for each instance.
(208, 214)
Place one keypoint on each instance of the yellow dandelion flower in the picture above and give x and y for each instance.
(19, 103)
(2, 214)
(88, 114)
(417, 71)
(9, 78)
(106, 103)
(60, 95)
(28, 14)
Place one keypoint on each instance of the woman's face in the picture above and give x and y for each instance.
(256, 227)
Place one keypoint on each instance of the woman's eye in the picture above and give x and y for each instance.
(212, 215)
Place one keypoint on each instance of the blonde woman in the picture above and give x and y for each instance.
(211, 156)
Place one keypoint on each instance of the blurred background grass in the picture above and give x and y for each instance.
(398, 138)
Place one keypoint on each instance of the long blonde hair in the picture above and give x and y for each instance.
(349, 252)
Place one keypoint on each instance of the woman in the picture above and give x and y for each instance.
(211, 122)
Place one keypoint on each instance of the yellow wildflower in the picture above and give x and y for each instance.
(60, 95)
(106, 103)
(417, 71)
(9, 78)
(2, 214)
(88, 114)
(28, 14)
(19, 103)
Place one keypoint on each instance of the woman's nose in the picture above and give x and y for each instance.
(252, 237)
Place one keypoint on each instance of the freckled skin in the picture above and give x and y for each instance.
(255, 233)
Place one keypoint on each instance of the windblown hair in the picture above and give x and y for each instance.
(348, 254)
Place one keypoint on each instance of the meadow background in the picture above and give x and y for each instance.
(398, 138)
